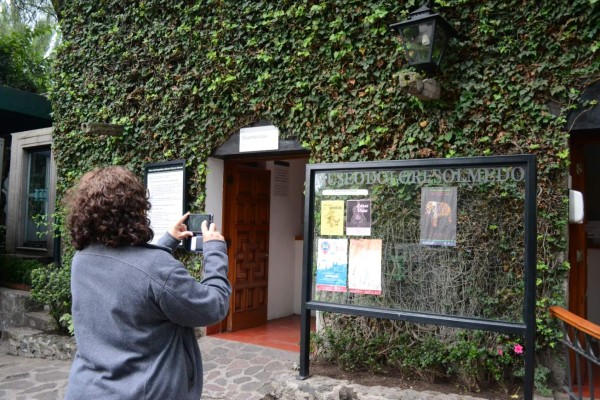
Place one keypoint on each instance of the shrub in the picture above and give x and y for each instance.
(51, 286)
(470, 359)
(17, 270)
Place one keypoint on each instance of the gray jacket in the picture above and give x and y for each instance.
(134, 309)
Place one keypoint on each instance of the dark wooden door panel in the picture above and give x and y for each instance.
(247, 227)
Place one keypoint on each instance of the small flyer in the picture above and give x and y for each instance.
(438, 216)
(332, 217)
(358, 217)
(332, 265)
(364, 267)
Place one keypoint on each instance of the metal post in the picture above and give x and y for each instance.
(530, 277)
(304, 343)
(306, 278)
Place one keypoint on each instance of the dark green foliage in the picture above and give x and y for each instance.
(22, 47)
(17, 270)
(182, 76)
(472, 359)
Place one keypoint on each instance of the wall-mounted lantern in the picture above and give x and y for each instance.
(425, 36)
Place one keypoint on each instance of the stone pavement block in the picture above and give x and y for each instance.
(231, 372)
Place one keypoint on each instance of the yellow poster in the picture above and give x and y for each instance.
(332, 217)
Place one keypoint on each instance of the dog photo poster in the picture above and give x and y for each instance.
(438, 216)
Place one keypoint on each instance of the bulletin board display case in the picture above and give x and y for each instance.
(434, 241)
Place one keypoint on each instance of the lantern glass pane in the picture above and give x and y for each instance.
(418, 40)
(439, 45)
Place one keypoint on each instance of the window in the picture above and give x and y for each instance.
(36, 206)
(31, 193)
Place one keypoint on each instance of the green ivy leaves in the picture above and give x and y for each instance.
(183, 77)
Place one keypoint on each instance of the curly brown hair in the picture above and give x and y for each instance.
(110, 206)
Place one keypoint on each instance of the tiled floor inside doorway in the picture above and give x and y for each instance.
(281, 333)
(586, 385)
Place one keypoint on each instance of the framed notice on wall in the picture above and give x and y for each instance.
(165, 182)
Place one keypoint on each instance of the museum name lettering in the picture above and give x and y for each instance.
(446, 176)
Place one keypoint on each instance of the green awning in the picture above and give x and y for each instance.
(22, 111)
(25, 103)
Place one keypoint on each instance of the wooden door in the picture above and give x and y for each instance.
(577, 238)
(246, 226)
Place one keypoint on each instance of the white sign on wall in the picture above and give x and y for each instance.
(259, 138)
(166, 187)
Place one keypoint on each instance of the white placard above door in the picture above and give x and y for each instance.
(259, 138)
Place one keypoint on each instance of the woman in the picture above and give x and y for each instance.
(134, 305)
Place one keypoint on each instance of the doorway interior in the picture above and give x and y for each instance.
(584, 239)
(259, 209)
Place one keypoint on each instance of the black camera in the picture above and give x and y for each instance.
(194, 225)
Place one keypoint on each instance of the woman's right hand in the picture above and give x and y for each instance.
(179, 230)
(210, 233)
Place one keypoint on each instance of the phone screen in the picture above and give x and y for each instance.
(195, 221)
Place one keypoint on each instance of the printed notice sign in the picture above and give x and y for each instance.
(358, 218)
(166, 188)
(332, 265)
(364, 269)
(259, 138)
(332, 217)
(438, 216)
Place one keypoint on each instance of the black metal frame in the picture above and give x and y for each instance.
(527, 328)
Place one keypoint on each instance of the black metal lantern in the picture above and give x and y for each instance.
(425, 36)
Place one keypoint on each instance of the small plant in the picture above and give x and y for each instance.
(67, 320)
(541, 379)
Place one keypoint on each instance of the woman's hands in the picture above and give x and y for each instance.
(179, 230)
(210, 233)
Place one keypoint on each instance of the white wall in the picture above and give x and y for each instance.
(593, 294)
(214, 190)
(286, 223)
(298, 254)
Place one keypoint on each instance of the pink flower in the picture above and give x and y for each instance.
(518, 349)
(500, 352)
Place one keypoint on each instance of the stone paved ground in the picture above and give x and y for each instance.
(233, 371)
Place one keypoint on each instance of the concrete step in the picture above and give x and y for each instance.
(35, 343)
(14, 304)
(39, 320)
(17, 300)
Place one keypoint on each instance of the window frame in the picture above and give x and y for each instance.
(23, 144)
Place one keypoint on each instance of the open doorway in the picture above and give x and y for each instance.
(261, 217)
(584, 239)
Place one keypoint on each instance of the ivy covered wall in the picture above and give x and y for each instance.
(182, 76)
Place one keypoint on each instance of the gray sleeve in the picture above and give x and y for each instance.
(188, 302)
(169, 241)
